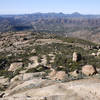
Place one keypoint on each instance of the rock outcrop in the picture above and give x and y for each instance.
(4, 80)
(52, 73)
(88, 70)
(57, 75)
(76, 57)
(86, 89)
(60, 75)
(15, 66)
(27, 76)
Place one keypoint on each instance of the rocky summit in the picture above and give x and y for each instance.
(41, 66)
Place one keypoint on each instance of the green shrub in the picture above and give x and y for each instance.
(39, 68)
(5, 73)
(31, 70)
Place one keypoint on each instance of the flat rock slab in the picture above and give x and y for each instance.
(86, 89)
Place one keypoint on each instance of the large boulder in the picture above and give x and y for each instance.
(60, 75)
(76, 57)
(88, 70)
(52, 73)
(15, 66)
(57, 75)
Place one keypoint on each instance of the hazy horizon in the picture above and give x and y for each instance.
(48, 13)
(48, 6)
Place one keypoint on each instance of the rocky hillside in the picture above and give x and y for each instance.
(40, 66)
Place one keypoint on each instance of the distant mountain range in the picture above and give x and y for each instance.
(58, 15)
(75, 24)
(30, 21)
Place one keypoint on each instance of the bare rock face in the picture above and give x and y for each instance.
(76, 57)
(88, 70)
(17, 78)
(39, 89)
(15, 66)
(26, 76)
(3, 80)
(28, 85)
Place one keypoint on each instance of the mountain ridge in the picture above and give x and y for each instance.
(72, 25)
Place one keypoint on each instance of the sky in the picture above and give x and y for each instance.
(44, 6)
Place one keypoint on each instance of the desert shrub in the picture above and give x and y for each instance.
(39, 68)
(16, 72)
(2, 89)
(39, 59)
(48, 59)
(73, 66)
(6, 73)
(31, 70)
(4, 63)
(60, 60)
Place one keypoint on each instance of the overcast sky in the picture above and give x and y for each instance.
(65, 6)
